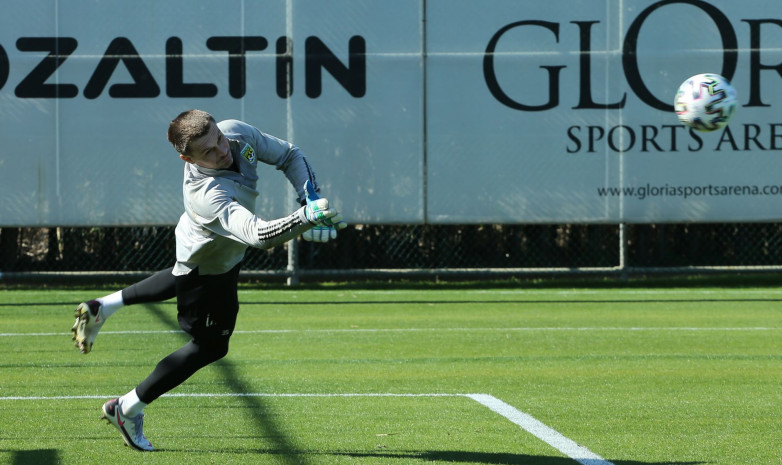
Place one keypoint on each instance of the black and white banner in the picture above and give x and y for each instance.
(444, 111)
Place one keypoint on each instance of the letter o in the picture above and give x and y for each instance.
(631, 138)
(5, 67)
(630, 56)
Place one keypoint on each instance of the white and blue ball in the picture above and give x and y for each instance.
(706, 102)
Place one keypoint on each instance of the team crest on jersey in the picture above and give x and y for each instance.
(248, 153)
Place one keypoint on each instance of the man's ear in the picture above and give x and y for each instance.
(186, 158)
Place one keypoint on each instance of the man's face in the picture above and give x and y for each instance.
(210, 150)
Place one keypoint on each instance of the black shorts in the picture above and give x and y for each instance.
(208, 304)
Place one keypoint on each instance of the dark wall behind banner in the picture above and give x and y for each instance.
(436, 112)
(421, 248)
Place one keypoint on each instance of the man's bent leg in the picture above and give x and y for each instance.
(178, 367)
(156, 288)
(207, 309)
(92, 314)
(207, 306)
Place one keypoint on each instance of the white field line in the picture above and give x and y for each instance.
(421, 330)
(237, 394)
(549, 292)
(545, 433)
(527, 422)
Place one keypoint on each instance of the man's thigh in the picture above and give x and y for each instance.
(208, 304)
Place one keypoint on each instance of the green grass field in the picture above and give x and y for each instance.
(633, 376)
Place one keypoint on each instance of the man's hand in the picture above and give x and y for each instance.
(326, 225)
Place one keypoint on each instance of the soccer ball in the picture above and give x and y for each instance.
(705, 102)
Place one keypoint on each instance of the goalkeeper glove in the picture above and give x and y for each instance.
(326, 228)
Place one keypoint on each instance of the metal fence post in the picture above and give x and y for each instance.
(622, 251)
(293, 263)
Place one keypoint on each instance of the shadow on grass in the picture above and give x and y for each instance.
(35, 457)
(289, 453)
(299, 456)
(258, 410)
(491, 458)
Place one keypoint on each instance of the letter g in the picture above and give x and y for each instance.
(491, 77)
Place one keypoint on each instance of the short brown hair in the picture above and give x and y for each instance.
(186, 127)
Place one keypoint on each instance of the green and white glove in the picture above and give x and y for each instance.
(326, 227)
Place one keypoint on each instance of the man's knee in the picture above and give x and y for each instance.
(213, 350)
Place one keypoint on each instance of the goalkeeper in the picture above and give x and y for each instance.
(212, 235)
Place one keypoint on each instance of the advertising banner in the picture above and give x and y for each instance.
(562, 111)
(87, 90)
(441, 112)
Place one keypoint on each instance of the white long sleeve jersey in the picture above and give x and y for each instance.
(219, 222)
